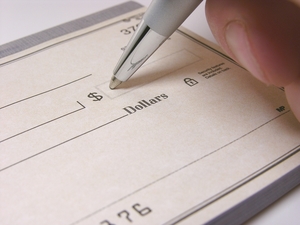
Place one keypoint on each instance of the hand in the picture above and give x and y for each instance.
(264, 37)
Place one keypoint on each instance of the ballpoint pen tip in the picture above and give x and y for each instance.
(114, 82)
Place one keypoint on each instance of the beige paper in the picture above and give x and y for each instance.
(189, 136)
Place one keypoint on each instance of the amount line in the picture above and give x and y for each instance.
(42, 124)
(44, 92)
(64, 142)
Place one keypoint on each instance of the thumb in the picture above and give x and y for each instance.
(264, 37)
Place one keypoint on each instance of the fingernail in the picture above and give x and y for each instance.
(239, 45)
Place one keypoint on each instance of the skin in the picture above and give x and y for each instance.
(264, 37)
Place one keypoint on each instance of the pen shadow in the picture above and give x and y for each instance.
(141, 78)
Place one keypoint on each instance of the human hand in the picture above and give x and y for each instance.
(264, 37)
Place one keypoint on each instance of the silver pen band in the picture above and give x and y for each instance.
(141, 46)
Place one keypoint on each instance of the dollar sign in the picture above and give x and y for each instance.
(95, 96)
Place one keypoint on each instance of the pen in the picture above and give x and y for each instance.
(161, 19)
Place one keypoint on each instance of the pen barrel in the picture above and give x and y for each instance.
(165, 16)
(141, 46)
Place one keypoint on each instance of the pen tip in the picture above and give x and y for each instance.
(114, 82)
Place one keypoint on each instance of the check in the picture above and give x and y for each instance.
(191, 137)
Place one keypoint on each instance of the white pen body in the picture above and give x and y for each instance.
(161, 19)
(165, 16)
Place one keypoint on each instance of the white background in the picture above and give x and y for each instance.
(19, 18)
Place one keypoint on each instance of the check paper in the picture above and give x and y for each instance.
(188, 138)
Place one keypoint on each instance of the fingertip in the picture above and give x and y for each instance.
(240, 47)
(269, 47)
(293, 96)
